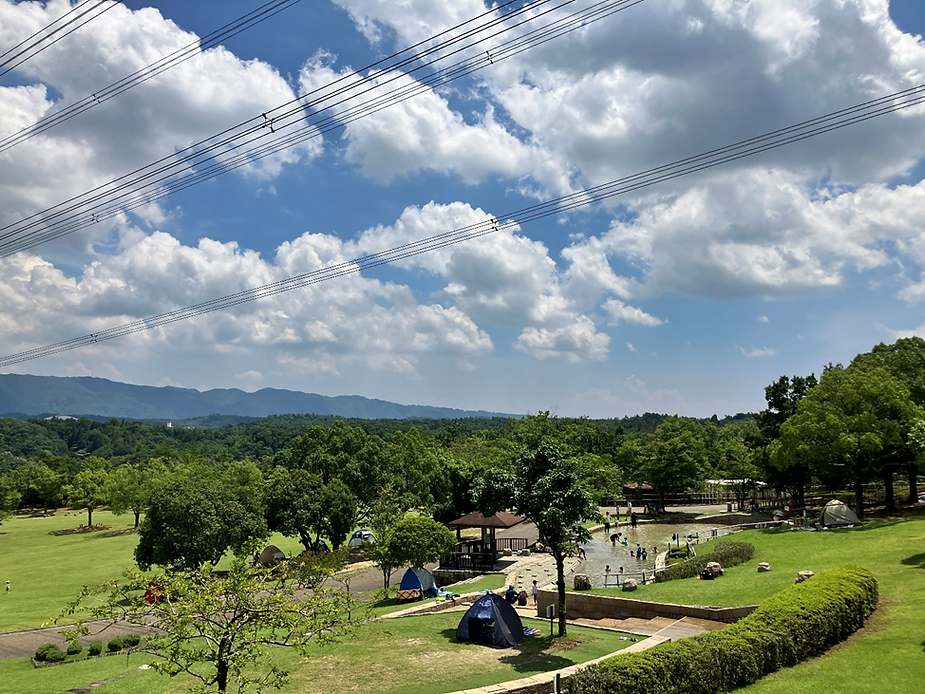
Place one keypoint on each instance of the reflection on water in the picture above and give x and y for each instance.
(652, 536)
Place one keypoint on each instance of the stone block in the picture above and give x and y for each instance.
(804, 575)
(764, 567)
(629, 585)
(715, 568)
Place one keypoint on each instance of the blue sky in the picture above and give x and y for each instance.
(687, 297)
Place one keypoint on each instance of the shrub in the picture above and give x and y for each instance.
(796, 624)
(95, 647)
(114, 645)
(74, 648)
(131, 640)
(726, 553)
(49, 653)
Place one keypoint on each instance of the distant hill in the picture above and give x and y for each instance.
(99, 397)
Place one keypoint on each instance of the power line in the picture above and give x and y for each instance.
(836, 120)
(24, 50)
(148, 72)
(177, 172)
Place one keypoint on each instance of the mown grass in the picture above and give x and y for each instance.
(887, 656)
(409, 654)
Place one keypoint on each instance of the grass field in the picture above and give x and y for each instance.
(887, 656)
(414, 655)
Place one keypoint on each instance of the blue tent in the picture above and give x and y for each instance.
(491, 620)
(417, 583)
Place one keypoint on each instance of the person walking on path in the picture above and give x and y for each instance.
(535, 589)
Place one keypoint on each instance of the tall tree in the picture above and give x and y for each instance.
(905, 359)
(546, 489)
(88, 490)
(677, 458)
(130, 489)
(419, 540)
(850, 425)
(294, 505)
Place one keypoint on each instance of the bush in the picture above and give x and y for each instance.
(74, 648)
(114, 645)
(796, 624)
(95, 647)
(49, 653)
(726, 553)
(131, 640)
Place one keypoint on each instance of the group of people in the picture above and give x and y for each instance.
(513, 596)
(631, 516)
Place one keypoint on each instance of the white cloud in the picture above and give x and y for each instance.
(574, 342)
(618, 311)
(757, 352)
(192, 101)
(102, 370)
(630, 347)
(761, 319)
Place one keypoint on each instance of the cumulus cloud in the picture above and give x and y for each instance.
(762, 319)
(192, 101)
(571, 342)
(618, 311)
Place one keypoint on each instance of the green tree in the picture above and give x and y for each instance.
(294, 506)
(130, 489)
(9, 497)
(676, 459)
(417, 540)
(388, 510)
(88, 490)
(339, 515)
(194, 519)
(217, 628)
(905, 359)
(850, 425)
(47, 484)
(546, 489)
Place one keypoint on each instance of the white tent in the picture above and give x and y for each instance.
(837, 514)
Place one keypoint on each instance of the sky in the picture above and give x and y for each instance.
(685, 297)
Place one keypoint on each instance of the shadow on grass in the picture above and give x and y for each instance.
(97, 531)
(916, 560)
(535, 654)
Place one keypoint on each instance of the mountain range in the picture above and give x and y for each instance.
(35, 396)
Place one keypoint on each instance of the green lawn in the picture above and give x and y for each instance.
(410, 654)
(888, 655)
(47, 563)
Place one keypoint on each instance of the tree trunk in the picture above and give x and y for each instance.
(560, 585)
(137, 513)
(913, 472)
(889, 497)
(858, 496)
(221, 676)
(89, 517)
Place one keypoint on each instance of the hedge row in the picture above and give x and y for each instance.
(726, 553)
(796, 624)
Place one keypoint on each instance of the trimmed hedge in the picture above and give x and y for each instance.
(95, 648)
(114, 645)
(796, 624)
(131, 640)
(49, 653)
(726, 553)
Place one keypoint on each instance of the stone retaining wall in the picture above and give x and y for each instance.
(588, 606)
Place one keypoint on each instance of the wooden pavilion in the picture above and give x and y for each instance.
(481, 554)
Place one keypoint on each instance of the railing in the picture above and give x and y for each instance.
(515, 544)
(478, 561)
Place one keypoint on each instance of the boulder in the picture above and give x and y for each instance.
(526, 553)
(629, 584)
(506, 553)
(715, 568)
(582, 582)
(764, 567)
(804, 575)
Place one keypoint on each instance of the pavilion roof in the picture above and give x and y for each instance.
(502, 519)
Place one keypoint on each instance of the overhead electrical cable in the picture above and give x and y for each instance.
(41, 40)
(179, 56)
(907, 98)
(231, 151)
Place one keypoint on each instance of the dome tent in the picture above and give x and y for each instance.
(271, 556)
(491, 620)
(361, 537)
(416, 584)
(836, 514)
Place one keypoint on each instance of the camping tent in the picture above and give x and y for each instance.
(491, 620)
(271, 556)
(361, 537)
(836, 513)
(417, 583)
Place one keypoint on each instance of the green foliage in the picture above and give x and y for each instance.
(677, 457)
(217, 628)
(114, 645)
(726, 553)
(131, 640)
(74, 648)
(89, 489)
(418, 540)
(95, 647)
(796, 624)
(49, 653)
